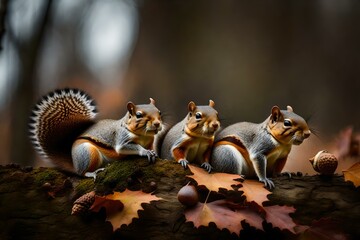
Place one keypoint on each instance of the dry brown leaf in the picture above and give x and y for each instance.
(214, 181)
(254, 191)
(224, 218)
(109, 202)
(279, 217)
(131, 200)
(251, 217)
(353, 174)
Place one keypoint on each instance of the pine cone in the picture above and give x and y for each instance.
(83, 203)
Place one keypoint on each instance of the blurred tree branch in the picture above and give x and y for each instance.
(28, 53)
(3, 7)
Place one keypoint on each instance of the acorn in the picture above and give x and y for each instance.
(324, 162)
(46, 186)
(67, 183)
(188, 196)
(83, 203)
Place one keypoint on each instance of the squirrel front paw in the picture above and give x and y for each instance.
(183, 162)
(268, 183)
(207, 166)
(94, 173)
(151, 155)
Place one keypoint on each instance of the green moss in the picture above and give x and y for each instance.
(117, 173)
(132, 173)
(164, 168)
(84, 186)
(43, 175)
(120, 171)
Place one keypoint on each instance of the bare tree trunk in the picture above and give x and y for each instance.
(23, 97)
(3, 7)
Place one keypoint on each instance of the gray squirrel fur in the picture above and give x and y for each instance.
(64, 130)
(258, 150)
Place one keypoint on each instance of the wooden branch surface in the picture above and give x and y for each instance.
(36, 203)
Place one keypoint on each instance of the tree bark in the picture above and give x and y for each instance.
(36, 204)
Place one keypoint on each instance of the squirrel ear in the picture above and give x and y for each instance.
(211, 103)
(191, 106)
(152, 101)
(290, 109)
(131, 107)
(275, 114)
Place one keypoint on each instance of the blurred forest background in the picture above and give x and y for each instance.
(245, 55)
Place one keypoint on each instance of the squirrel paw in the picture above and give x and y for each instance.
(184, 162)
(207, 166)
(268, 183)
(288, 174)
(94, 173)
(151, 154)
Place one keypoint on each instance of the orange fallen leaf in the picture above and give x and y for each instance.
(279, 217)
(131, 200)
(109, 202)
(51, 194)
(214, 181)
(254, 191)
(218, 212)
(353, 174)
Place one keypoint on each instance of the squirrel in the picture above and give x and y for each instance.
(191, 140)
(258, 150)
(63, 129)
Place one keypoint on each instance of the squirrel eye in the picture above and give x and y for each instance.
(160, 113)
(138, 114)
(198, 115)
(287, 123)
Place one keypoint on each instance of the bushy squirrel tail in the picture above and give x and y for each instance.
(57, 120)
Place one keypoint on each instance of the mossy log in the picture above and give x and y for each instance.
(36, 203)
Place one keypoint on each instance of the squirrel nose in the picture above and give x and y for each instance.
(215, 125)
(307, 134)
(156, 124)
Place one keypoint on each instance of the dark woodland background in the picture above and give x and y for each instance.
(245, 55)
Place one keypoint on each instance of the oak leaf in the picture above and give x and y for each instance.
(214, 181)
(224, 217)
(254, 191)
(279, 217)
(131, 200)
(353, 174)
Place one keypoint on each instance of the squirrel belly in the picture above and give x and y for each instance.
(179, 145)
(191, 140)
(259, 150)
(64, 130)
